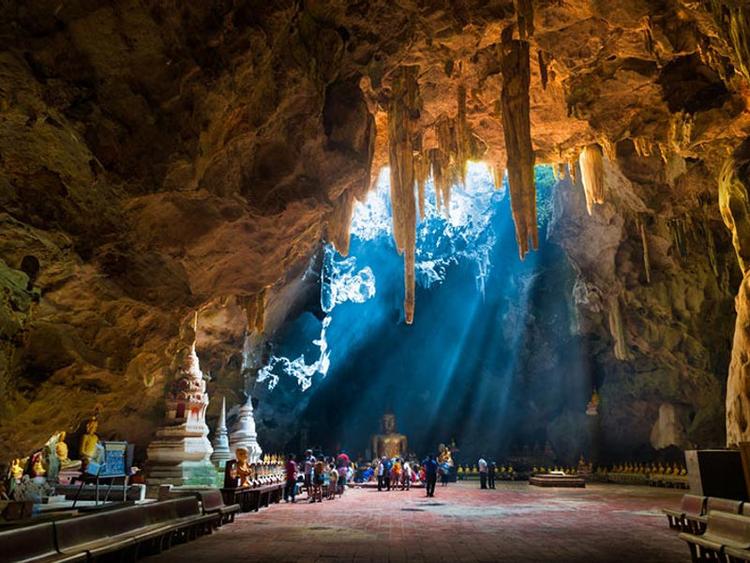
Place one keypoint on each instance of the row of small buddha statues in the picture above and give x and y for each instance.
(469, 469)
(648, 469)
(240, 472)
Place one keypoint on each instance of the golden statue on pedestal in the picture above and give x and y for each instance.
(389, 443)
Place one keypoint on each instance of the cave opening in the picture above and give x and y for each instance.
(447, 378)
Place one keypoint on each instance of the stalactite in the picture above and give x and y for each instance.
(616, 329)
(421, 174)
(542, 68)
(463, 136)
(517, 132)
(525, 18)
(446, 173)
(677, 228)
(592, 175)
(646, 256)
(681, 130)
(608, 148)
(404, 105)
(255, 311)
(497, 175)
(573, 170)
(340, 222)
(643, 147)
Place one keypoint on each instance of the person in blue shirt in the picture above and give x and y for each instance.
(430, 465)
(387, 464)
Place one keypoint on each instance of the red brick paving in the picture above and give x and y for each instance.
(515, 522)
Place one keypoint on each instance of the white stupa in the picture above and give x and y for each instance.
(222, 453)
(244, 433)
(180, 451)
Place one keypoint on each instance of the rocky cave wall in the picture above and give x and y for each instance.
(160, 157)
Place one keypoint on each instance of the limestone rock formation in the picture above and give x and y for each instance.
(156, 159)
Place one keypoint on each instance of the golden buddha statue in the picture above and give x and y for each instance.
(243, 468)
(389, 443)
(445, 455)
(37, 466)
(90, 448)
(16, 469)
(61, 450)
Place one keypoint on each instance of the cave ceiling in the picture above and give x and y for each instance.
(161, 157)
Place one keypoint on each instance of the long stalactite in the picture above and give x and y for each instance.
(517, 131)
(592, 175)
(402, 110)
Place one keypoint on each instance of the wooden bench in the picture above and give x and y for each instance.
(33, 544)
(212, 502)
(127, 530)
(690, 505)
(697, 524)
(724, 531)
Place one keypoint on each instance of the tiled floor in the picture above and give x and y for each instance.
(515, 522)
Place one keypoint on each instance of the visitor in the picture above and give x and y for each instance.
(444, 471)
(344, 464)
(396, 473)
(406, 476)
(318, 481)
(430, 466)
(491, 475)
(381, 473)
(333, 481)
(482, 464)
(309, 465)
(388, 463)
(290, 488)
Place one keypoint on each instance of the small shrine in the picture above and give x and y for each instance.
(389, 442)
(180, 452)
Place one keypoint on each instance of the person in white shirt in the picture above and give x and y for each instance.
(482, 464)
(381, 474)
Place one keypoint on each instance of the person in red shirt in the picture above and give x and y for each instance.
(290, 489)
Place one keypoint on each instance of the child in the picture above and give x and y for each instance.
(318, 481)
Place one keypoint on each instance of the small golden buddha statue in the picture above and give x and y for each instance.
(37, 466)
(243, 468)
(445, 456)
(90, 441)
(61, 450)
(16, 469)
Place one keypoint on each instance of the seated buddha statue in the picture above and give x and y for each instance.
(389, 443)
(61, 449)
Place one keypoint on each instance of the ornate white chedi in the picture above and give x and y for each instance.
(244, 433)
(222, 453)
(180, 452)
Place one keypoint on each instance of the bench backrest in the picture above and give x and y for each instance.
(724, 505)
(211, 500)
(187, 506)
(723, 526)
(27, 542)
(82, 529)
(693, 504)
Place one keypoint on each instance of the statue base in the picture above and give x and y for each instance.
(192, 473)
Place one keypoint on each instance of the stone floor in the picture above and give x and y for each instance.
(515, 522)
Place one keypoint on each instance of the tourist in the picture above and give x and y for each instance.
(344, 464)
(333, 481)
(290, 489)
(482, 464)
(430, 466)
(444, 471)
(491, 475)
(309, 465)
(396, 473)
(381, 473)
(318, 481)
(406, 476)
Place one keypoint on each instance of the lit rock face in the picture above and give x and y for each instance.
(156, 159)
